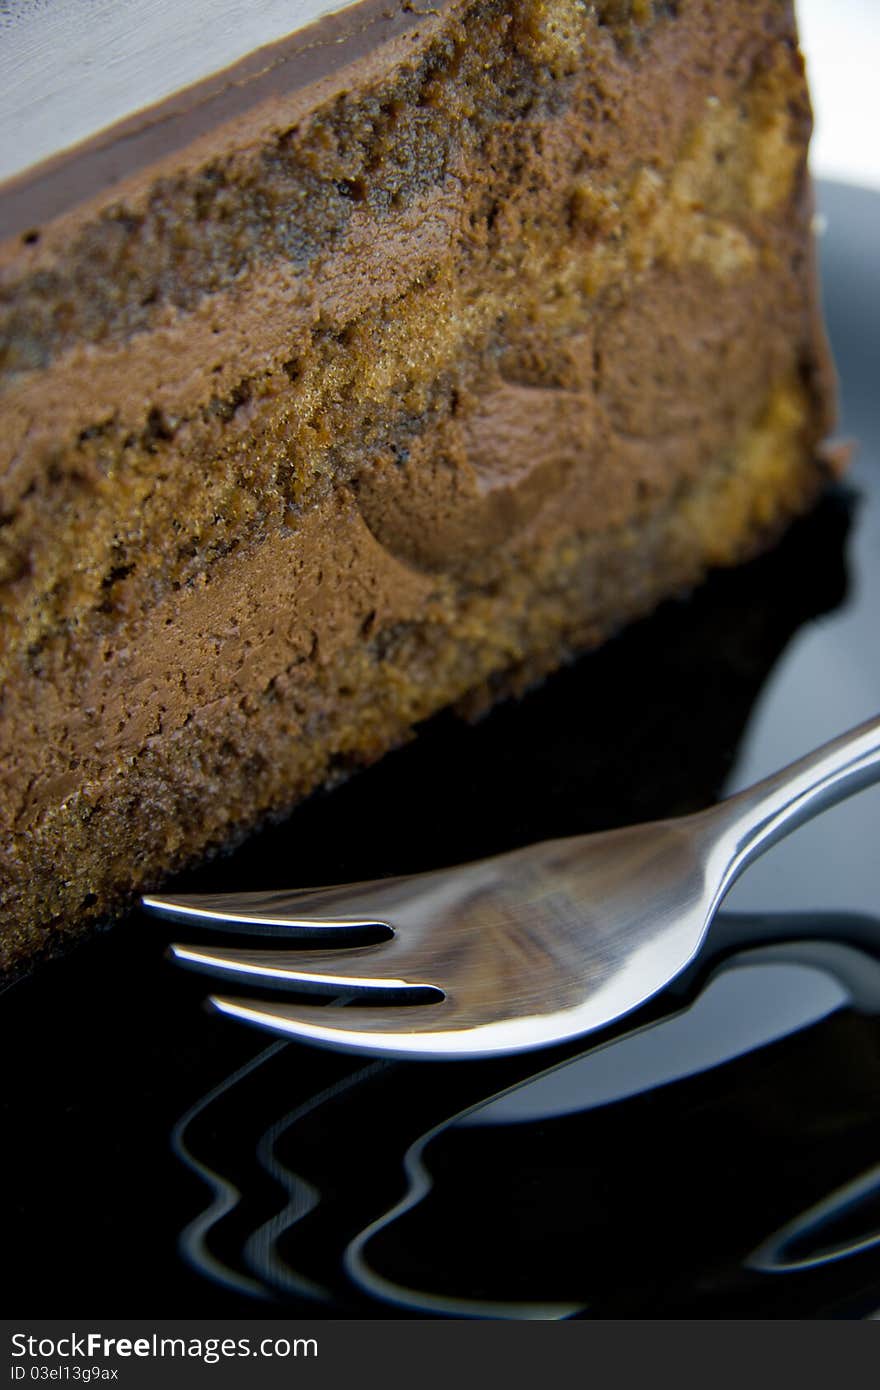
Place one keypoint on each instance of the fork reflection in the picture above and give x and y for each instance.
(498, 1192)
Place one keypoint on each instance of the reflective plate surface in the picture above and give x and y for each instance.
(719, 1158)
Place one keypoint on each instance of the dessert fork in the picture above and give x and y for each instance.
(526, 949)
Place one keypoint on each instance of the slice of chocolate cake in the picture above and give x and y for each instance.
(394, 363)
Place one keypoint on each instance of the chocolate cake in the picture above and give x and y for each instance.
(379, 371)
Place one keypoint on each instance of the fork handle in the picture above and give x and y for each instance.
(756, 818)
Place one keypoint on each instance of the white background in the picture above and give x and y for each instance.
(841, 41)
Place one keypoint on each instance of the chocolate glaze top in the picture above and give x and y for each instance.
(70, 70)
(303, 59)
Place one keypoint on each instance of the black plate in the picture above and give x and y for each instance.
(726, 1162)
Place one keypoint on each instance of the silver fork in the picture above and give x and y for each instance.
(519, 951)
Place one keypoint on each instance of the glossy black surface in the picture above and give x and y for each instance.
(724, 1162)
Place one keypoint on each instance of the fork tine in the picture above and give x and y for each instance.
(397, 1031)
(363, 968)
(295, 913)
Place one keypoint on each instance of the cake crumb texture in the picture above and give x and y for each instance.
(441, 369)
